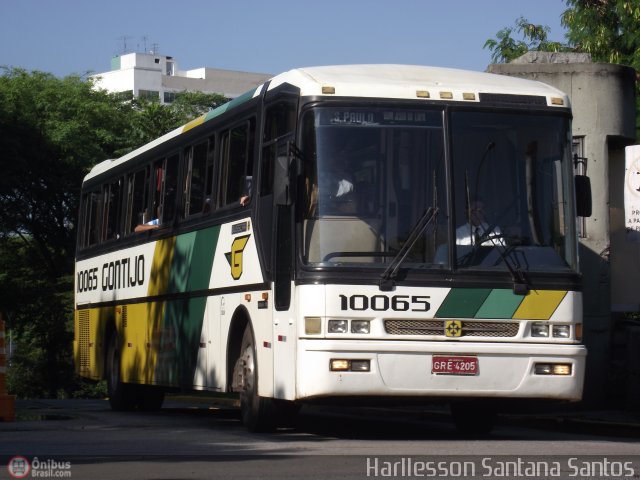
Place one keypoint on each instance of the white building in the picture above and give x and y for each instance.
(147, 75)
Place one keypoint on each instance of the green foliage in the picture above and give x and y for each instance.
(52, 131)
(504, 48)
(151, 120)
(607, 29)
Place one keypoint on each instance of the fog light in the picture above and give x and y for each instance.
(312, 325)
(360, 365)
(339, 365)
(552, 369)
(562, 369)
(338, 326)
(540, 330)
(360, 326)
(561, 331)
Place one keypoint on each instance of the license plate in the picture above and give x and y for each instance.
(452, 365)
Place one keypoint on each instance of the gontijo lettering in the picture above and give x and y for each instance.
(123, 273)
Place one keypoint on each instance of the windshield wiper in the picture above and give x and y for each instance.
(387, 281)
(508, 255)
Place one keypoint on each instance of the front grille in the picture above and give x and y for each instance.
(470, 328)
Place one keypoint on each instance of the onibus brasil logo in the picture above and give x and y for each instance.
(21, 467)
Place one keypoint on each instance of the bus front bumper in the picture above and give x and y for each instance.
(406, 369)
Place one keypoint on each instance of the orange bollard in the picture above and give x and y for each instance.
(7, 402)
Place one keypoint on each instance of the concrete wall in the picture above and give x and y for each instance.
(602, 98)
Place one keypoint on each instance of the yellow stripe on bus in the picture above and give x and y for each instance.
(539, 304)
(161, 266)
(193, 123)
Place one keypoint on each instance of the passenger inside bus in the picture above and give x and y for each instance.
(476, 230)
(144, 226)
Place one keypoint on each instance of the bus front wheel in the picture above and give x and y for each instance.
(258, 413)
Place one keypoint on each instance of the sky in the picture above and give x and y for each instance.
(79, 37)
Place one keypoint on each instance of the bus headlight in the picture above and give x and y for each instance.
(360, 326)
(561, 331)
(338, 326)
(540, 330)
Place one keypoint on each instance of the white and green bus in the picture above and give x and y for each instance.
(346, 234)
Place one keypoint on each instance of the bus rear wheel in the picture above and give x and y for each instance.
(121, 395)
(258, 413)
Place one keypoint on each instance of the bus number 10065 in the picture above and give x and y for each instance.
(381, 303)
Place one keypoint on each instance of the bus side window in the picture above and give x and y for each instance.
(236, 163)
(170, 192)
(279, 121)
(83, 220)
(196, 160)
(208, 184)
(113, 207)
(95, 218)
(136, 199)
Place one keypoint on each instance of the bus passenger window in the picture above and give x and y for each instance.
(236, 164)
(197, 171)
(113, 207)
(208, 186)
(279, 122)
(95, 218)
(170, 190)
(136, 199)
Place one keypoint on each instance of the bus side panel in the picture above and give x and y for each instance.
(285, 338)
(236, 264)
(88, 345)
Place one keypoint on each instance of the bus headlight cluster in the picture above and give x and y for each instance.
(350, 365)
(544, 330)
(342, 326)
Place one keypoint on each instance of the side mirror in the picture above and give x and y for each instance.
(282, 175)
(583, 195)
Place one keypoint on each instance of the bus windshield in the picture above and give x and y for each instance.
(371, 173)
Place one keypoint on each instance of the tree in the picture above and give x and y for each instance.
(607, 29)
(52, 131)
(151, 119)
(505, 48)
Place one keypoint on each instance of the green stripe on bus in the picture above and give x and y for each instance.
(462, 302)
(501, 303)
(229, 105)
(181, 263)
(204, 248)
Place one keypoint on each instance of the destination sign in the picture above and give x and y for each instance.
(379, 117)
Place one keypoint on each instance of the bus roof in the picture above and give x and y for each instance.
(375, 81)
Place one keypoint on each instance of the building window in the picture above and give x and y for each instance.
(152, 95)
(169, 97)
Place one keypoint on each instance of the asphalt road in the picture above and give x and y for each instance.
(84, 439)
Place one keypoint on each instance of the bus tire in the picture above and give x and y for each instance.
(121, 395)
(473, 418)
(258, 413)
(149, 398)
